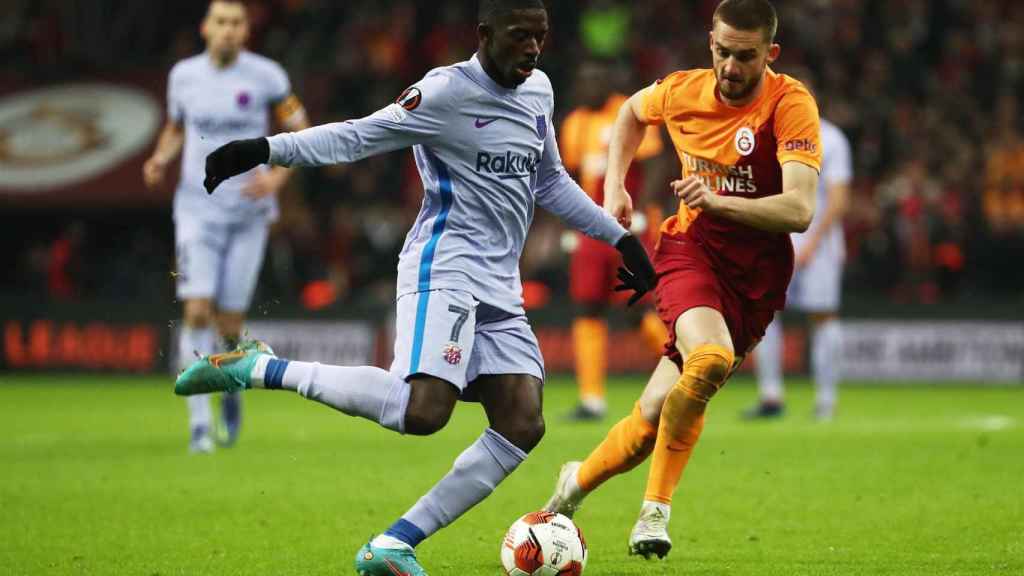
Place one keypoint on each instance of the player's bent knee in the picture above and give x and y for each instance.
(708, 367)
(431, 403)
(525, 432)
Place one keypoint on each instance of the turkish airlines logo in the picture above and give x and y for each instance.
(61, 136)
(745, 141)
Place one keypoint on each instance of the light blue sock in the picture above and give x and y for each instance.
(363, 391)
(475, 474)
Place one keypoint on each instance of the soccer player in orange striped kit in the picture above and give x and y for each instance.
(748, 140)
(585, 135)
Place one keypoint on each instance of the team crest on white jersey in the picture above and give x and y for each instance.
(745, 141)
(452, 353)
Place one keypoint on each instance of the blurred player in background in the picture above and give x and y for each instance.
(487, 154)
(584, 138)
(816, 286)
(748, 141)
(220, 95)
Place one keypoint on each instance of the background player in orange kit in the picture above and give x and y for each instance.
(748, 139)
(586, 133)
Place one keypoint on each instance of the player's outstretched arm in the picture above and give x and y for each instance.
(627, 135)
(559, 194)
(417, 117)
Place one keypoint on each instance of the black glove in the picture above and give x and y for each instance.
(638, 274)
(234, 158)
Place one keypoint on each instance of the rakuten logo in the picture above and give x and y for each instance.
(506, 166)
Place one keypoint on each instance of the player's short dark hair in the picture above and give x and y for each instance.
(749, 15)
(491, 9)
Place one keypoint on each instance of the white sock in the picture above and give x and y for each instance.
(474, 475)
(192, 342)
(364, 391)
(385, 541)
(769, 363)
(826, 347)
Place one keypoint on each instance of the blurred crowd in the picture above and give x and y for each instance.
(928, 92)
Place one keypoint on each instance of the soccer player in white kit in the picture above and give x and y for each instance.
(223, 94)
(815, 289)
(484, 144)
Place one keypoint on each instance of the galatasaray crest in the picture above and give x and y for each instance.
(745, 142)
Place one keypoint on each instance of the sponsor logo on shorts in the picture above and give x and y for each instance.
(452, 353)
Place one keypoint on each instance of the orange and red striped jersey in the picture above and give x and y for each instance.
(737, 151)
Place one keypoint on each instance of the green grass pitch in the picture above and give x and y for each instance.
(96, 479)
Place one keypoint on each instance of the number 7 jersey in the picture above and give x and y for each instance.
(737, 151)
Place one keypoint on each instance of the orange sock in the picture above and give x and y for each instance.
(653, 331)
(590, 343)
(627, 444)
(682, 418)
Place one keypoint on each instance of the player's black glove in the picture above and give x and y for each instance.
(234, 158)
(638, 273)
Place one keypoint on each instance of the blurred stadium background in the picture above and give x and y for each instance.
(929, 93)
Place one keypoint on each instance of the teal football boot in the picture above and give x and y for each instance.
(373, 561)
(226, 372)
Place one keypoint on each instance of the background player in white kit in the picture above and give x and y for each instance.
(815, 289)
(487, 154)
(220, 95)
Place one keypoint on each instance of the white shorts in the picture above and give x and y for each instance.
(219, 260)
(448, 334)
(817, 286)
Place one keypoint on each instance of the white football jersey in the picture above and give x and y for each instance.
(487, 155)
(215, 106)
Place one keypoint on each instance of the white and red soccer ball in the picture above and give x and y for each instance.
(544, 544)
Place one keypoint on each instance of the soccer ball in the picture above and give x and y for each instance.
(544, 544)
